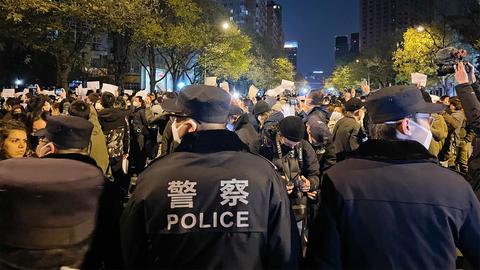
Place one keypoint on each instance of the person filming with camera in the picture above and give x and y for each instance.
(297, 164)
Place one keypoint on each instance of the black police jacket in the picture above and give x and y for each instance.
(391, 206)
(468, 95)
(211, 204)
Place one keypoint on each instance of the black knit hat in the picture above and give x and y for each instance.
(353, 104)
(292, 128)
(261, 107)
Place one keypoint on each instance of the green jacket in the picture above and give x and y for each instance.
(98, 144)
(439, 132)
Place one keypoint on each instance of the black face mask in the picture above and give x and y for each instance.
(285, 148)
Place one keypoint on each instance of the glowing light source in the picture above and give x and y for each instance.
(181, 85)
(420, 28)
(225, 26)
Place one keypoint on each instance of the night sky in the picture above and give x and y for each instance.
(314, 24)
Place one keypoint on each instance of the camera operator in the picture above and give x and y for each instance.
(466, 89)
(298, 165)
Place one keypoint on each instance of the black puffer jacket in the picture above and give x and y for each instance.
(471, 108)
(247, 134)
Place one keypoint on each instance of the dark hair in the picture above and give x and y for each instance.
(12, 102)
(79, 108)
(142, 105)
(93, 98)
(21, 116)
(67, 100)
(5, 128)
(455, 102)
(36, 104)
(107, 100)
(383, 131)
(444, 97)
(316, 97)
(120, 103)
(31, 118)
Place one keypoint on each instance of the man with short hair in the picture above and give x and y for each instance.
(391, 205)
(210, 204)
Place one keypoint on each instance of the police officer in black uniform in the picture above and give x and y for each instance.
(210, 204)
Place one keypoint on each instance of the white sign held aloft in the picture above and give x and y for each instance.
(110, 88)
(225, 86)
(211, 81)
(252, 92)
(93, 85)
(419, 79)
(275, 91)
(8, 93)
(288, 85)
(143, 94)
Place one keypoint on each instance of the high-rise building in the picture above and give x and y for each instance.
(354, 43)
(386, 20)
(341, 47)
(249, 15)
(274, 25)
(291, 52)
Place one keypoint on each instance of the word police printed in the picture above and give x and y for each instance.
(231, 192)
(181, 194)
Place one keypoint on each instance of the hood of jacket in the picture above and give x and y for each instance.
(111, 118)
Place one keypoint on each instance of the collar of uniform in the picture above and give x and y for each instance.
(393, 150)
(77, 157)
(211, 141)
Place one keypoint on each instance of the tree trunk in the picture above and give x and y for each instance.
(121, 47)
(63, 71)
(175, 76)
(153, 68)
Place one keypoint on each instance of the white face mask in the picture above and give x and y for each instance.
(419, 134)
(336, 116)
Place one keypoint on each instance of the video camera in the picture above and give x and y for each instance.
(448, 58)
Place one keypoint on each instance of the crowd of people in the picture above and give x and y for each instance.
(201, 179)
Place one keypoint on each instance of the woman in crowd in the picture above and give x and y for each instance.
(13, 139)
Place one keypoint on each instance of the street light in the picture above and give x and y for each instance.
(18, 82)
(358, 61)
(226, 26)
(420, 28)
